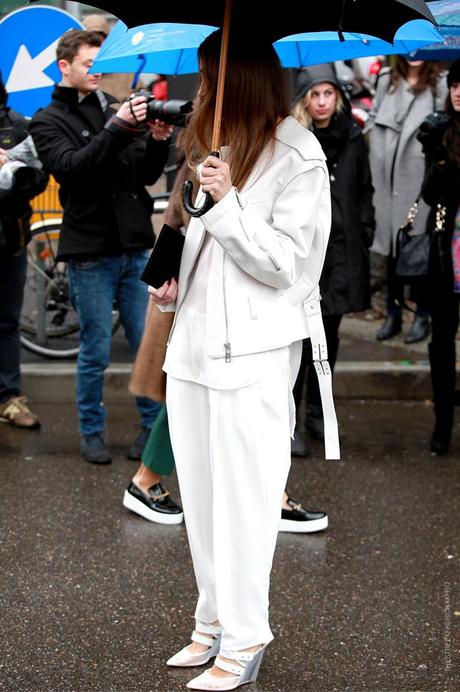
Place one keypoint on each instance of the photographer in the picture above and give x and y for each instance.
(20, 184)
(440, 138)
(102, 159)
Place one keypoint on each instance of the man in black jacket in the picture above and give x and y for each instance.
(15, 215)
(102, 161)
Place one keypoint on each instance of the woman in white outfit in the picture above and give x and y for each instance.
(249, 273)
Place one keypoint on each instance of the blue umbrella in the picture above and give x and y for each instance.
(447, 14)
(161, 48)
(313, 48)
(172, 48)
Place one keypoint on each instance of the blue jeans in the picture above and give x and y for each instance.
(12, 279)
(94, 285)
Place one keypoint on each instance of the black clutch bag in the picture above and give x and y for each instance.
(164, 262)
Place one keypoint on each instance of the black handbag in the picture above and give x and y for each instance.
(413, 251)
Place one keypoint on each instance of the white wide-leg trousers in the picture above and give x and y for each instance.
(232, 452)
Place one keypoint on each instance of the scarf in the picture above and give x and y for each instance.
(334, 137)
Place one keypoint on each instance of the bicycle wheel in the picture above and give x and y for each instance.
(49, 324)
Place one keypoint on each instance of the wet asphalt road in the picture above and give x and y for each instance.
(95, 599)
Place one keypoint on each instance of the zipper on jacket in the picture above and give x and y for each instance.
(268, 253)
(227, 344)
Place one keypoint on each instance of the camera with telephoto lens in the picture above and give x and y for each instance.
(433, 127)
(173, 112)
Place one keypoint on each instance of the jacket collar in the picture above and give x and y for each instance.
(295, 135)
(69, 96)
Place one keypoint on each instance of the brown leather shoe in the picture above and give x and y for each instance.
(16, 412)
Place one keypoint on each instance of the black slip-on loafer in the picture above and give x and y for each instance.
(301, 520)
(156, 506)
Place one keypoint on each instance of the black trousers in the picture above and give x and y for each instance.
(307, 371)
(444, 310)
(12, 280)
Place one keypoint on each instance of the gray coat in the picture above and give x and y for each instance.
(396, 157)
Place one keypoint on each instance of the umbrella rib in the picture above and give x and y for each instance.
(143, 59)
(179, 59)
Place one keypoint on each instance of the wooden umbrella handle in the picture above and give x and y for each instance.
(222, 74)
(188, 185)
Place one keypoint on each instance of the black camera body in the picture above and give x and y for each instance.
(433, 127)
(173, 112)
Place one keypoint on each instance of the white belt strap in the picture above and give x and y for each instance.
(323, 371)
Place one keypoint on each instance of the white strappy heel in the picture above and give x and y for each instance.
(244, 666)
(184, 658)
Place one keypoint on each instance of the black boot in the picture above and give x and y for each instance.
(442, 362)
(390, 328)
(420, 328)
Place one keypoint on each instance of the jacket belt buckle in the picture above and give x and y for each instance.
(322, 367)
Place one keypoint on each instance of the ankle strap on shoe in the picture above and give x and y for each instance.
(202, 639)
(238, 655)
(208, 629)
(230, 667)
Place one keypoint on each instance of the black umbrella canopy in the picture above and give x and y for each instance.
(381, 18)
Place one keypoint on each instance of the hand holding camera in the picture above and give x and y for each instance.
(142, 111)
(134, 110)
(173, 112)
(160, 130)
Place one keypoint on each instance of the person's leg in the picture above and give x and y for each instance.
(250, 465)
(250, 456)
(92, 289)
(298, 444)
(132, 298)
(189, 422)
(444, 321)
(13, 408)
(145, 495)
(420, 327)
(393, 321)
(158, 455)
(12, 279)
(297, 390)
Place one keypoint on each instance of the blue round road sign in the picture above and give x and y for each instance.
(28, 40)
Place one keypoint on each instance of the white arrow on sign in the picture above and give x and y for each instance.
(27, 72)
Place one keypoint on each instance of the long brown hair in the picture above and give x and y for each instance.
(427, 76)
(451, 139)
(255, 100)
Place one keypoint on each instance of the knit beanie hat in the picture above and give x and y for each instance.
(454, 74)
(311, 76)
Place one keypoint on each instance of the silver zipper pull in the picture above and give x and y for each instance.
(228, 352)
